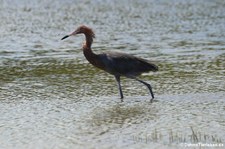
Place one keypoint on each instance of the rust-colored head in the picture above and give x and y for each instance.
(82, 30)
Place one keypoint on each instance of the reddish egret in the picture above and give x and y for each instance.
(117, 64)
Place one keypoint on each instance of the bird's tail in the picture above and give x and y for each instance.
(154, 67)
(150, 66)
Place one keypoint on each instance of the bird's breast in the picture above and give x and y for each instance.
(94, 59)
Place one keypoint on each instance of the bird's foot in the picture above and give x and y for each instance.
(151, 100)
(121, 99)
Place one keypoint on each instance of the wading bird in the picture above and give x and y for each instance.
(117, 64)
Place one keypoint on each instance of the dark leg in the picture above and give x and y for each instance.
(119, 86)
(149, 87)
(146, 84)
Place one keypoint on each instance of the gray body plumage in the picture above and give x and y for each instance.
(123, 64)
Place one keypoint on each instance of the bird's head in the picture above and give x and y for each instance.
(81, 30)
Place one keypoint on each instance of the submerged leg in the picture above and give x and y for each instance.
(149, 87)
(146, 84)
(119, 86)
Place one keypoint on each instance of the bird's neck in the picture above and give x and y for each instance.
(88, 41)
(87, 47)
(92, 57)
(89, 54)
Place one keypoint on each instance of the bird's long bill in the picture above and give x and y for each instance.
(72, 34)
(65, 37)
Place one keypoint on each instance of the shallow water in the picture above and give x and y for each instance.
(51, 97)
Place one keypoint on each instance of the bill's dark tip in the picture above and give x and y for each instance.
(65, 37)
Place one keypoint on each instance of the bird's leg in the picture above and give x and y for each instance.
(119, 86)
(149, 87)
(146, 84)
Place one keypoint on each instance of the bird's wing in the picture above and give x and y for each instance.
(125, 64)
